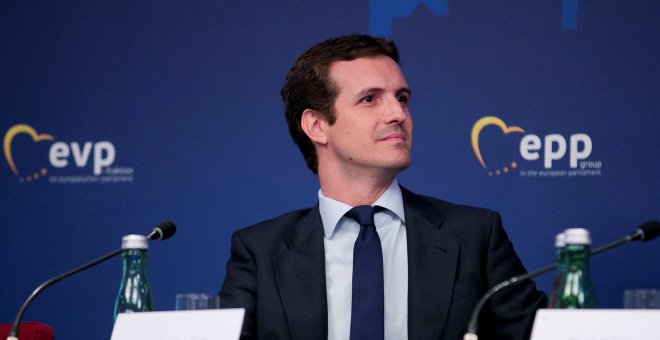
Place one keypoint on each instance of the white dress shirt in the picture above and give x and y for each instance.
(340, 235)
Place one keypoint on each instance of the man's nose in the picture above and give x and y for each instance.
(395, 111)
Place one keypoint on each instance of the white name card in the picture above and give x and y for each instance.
(596, 324)
(212, 324)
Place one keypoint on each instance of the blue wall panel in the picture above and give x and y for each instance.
(187, 96)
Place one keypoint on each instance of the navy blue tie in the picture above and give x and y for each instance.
(368, 310)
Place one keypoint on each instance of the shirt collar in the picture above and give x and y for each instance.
(332, 210)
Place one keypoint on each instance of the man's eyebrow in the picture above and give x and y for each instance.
(405, 90)
(367, 91)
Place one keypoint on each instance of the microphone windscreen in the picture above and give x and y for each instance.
(163, 231)
(650, 230)
(167, 228)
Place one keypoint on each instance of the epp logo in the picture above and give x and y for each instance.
(553, 147)
(103, 153)
(531, 144)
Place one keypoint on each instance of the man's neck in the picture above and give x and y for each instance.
(363, 190)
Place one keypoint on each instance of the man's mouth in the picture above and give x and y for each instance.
(393, 134)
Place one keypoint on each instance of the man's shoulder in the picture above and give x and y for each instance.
(446, 208)
(473, 227)
(277, 225)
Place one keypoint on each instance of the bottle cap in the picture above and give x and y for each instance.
(134, 242)
(577, 236)
(560, 240)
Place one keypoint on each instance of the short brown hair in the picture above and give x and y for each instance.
(308, 84)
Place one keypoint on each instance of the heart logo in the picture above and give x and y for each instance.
(476, 130)
(9, 137)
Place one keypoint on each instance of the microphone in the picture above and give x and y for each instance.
(645, 232)
(163, 231)
(166, 230)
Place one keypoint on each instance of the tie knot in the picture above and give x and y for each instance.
(362, 214)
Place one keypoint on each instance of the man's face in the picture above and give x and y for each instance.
(373, 127)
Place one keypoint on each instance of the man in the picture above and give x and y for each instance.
(296, 275)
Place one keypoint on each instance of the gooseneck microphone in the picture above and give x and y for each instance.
(645, 232)
(162, 231)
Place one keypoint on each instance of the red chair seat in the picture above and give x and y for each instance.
(29, 331)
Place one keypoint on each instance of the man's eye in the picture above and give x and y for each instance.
(402, 99)
(368, 99)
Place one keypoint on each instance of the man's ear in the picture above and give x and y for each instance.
(314, 126)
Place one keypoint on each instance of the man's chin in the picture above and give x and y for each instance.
(400, 165)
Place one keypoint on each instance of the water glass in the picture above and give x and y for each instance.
(195, 301)
(641, 299)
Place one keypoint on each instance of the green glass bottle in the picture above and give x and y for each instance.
(134, 293)
(576, 289)
(560, 255)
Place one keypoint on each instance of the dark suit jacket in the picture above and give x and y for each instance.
(455, 253)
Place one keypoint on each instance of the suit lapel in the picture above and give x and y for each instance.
(300, 275)
(432, 261)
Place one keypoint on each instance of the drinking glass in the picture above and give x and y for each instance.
(641, 299)
(195, 301)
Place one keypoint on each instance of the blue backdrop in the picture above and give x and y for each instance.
(116, 115)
